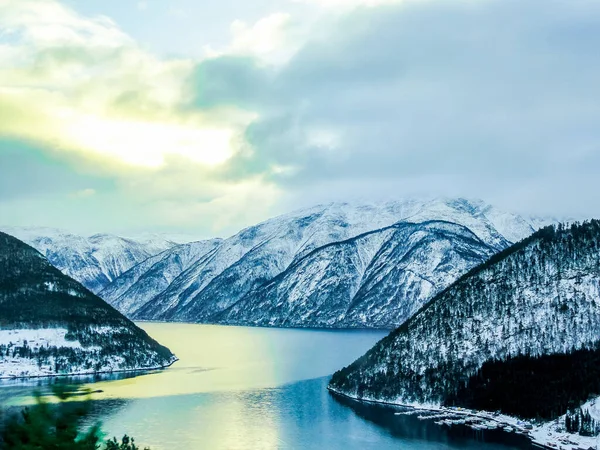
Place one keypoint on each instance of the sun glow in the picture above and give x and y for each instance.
(147, 143)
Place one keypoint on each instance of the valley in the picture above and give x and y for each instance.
(257, 388)
(339, 265)
(478, 320)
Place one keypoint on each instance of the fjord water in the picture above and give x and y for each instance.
(258, 388)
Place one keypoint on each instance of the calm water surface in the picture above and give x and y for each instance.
(257, 388)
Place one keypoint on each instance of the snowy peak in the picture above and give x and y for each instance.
(377, 279)
(94, 261)
(235, 275)
(155, 274)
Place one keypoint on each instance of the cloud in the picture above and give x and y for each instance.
(96, 91)
(85, 193)
(261, 38)
(177, 12)
(348, 4)
(492, 97)
(86, 96)
(27, 171)
(368, 99)
(271, 40)
(145, 143)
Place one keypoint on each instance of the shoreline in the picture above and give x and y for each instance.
(83, 374)
(533, 435)
(275, 327)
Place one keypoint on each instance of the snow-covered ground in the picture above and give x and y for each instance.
(23, 367)
(551, 435)
(15, 366)
(37, 338)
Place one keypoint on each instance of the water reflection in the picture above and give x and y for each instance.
(410, 428)
(251, 388)
(222, 420)
(218, 358)
(18, 391)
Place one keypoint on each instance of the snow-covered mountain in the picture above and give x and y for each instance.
(94, 261)
(519, 333)
(155, 274)
(341, 264)
(51, 325)
(378, 279)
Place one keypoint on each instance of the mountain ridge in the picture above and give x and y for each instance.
(259, 254)
(539, 297)
(95, 260)
(373, 321)
(52, 325)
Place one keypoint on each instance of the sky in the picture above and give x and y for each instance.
(205, 117)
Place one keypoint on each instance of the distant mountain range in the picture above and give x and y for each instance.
(96, 260)
(519, 333)
(50, 324)
(338, 265)
(335, 265)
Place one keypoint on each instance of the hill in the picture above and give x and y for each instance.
(519, 333)
(50, 324)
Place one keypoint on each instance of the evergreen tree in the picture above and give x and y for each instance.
(56, 426)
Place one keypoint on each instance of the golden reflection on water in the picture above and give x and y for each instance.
(233, 388)
(228, 420)
(238, 388)
(240, 366)
(211, 358)
(235, 425)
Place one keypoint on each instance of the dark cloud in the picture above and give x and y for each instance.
(229, 80)
(495, 95)
(496, 99)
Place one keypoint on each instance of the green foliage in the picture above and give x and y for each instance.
(126, 443)
(56, 426)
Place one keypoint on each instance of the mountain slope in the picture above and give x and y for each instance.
(243, 270)
(51, 324)
(155, 274)
(538, 298)
(378, 279)
(94, 261)
(258, 253)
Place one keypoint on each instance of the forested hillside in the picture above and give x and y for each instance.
(539, 297)
(51, 324)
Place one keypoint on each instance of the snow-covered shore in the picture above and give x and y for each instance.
(81, 373)
(553, 434)
(14, 366)
(550, 435)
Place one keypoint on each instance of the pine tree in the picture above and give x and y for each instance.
(56, 426)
